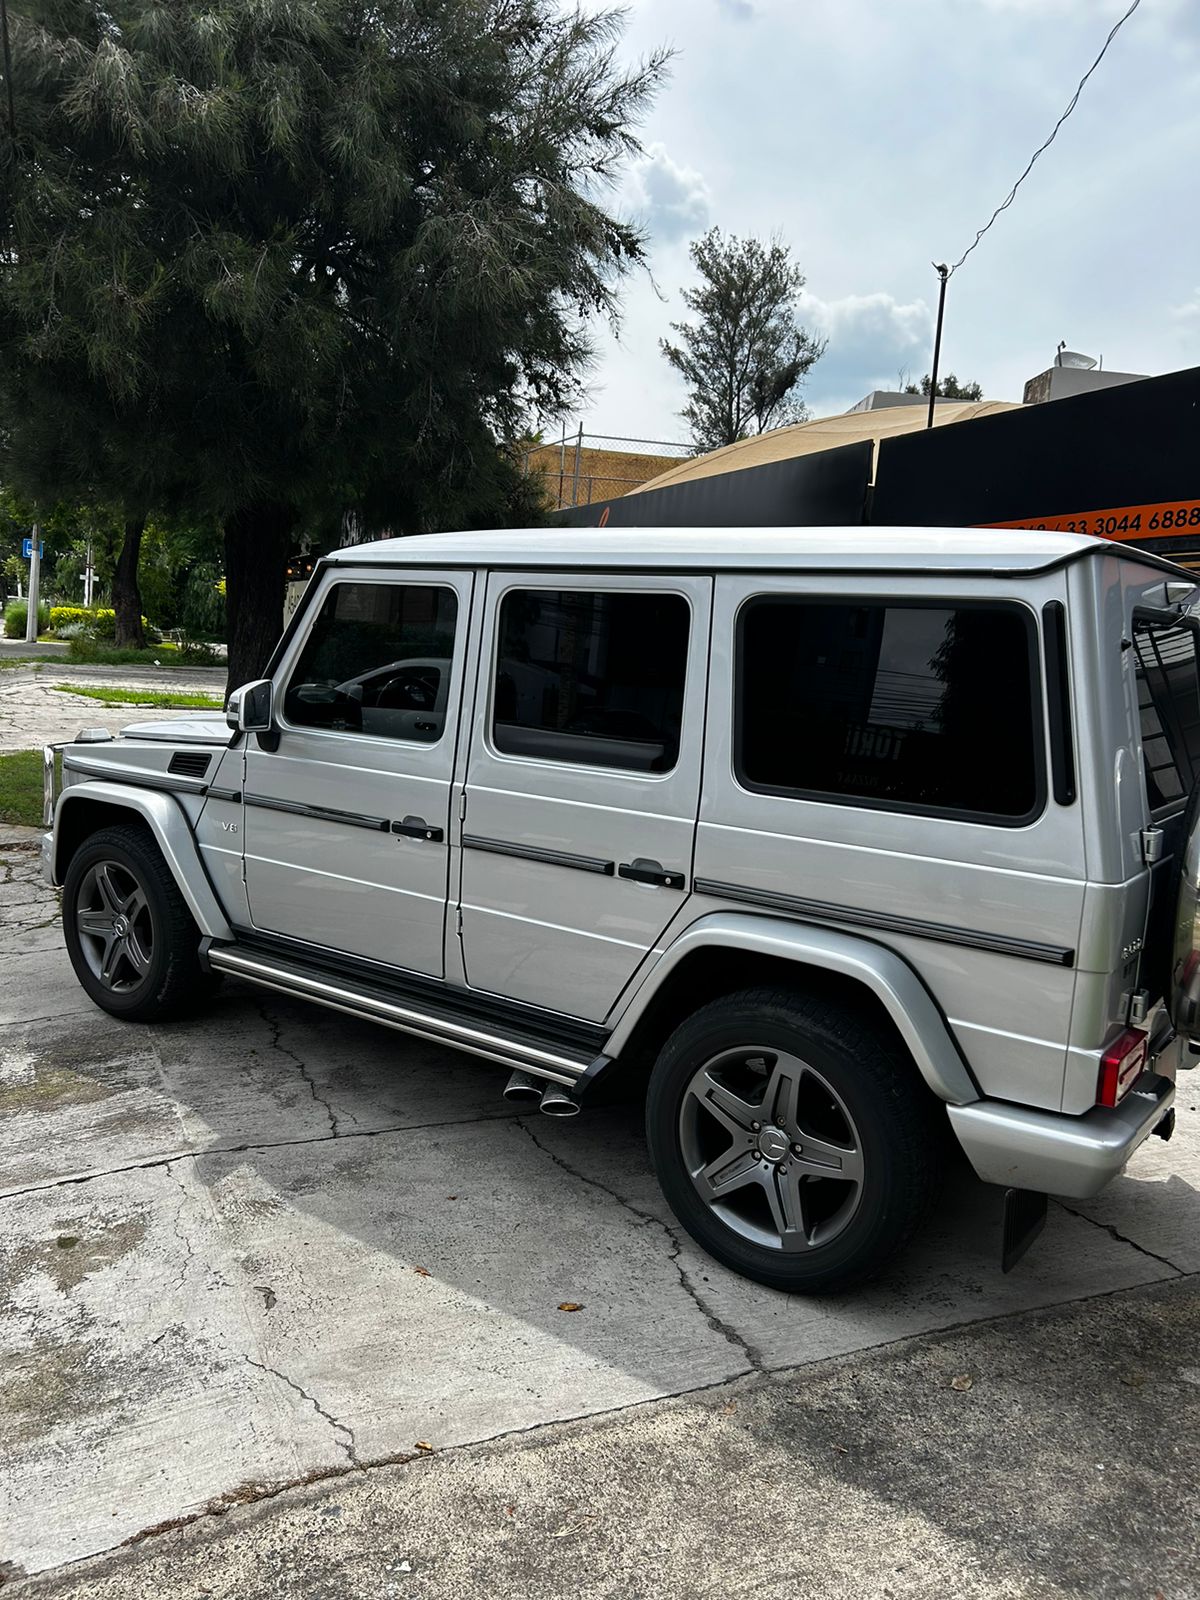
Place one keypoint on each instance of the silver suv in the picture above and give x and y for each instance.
(841, 845)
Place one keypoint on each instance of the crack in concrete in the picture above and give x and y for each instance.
(754, 1358)
(151, 1162)
(1121, 1238)
(276, 1043)
(180, 1232)
(348, 1443)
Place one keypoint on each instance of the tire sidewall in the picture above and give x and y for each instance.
(876, 1226)
(89, 854)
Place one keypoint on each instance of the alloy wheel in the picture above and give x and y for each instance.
(771, 1148)
(112, 915)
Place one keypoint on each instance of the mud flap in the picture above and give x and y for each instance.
(1024, 1218)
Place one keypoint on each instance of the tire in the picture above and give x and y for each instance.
(116, 880)
(795, 1143)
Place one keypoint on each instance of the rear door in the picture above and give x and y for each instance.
(347, 819)
(583, 781)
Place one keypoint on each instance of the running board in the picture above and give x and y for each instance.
(426, 1019)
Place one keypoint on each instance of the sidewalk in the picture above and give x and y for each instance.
(1050, 1454)
(33, 711)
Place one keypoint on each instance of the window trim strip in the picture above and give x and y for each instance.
(1058, 703)
(529, 852)
(885, 921)
(351, 819)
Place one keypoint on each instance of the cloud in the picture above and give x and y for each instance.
(1189, 311)
(871, 338)
(672, 200)
(740, 10)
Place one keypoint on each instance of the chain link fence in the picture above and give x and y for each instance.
(581, 468)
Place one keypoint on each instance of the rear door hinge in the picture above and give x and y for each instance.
(1152, 845)
(458, 921)
(462, 806)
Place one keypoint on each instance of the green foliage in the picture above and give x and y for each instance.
(306, 254)
(194, 653)
(110, 695)
(21, 789)
(949, 388)
(745, 356)
(16, 618)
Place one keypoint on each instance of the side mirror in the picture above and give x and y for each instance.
(250, 708)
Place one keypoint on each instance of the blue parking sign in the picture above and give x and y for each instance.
(27, 549)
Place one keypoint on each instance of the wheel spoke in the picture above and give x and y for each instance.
(99, 924)
(732, 1112)
(819, 1158)
(783, 1196)
(113, 951)
(138, 959)
(782, 1098)
(732, 1170)
(135, 902)
(108, 889)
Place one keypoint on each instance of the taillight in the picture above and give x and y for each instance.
(1120, 1066)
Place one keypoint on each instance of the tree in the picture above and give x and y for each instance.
(746, 355)
(269, 262)
(949, 388)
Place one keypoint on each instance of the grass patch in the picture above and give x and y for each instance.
(21, 788)
(165, 654)
(160, 699)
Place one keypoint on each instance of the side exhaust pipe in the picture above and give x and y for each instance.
(521, 1088)
(559, 1102)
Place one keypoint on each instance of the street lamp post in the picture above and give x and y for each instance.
(943, 272)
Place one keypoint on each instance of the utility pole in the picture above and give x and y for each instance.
(943, 272)
(35, 583)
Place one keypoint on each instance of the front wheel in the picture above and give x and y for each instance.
(130, 936)
(794, 1143)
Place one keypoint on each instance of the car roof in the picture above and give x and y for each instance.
(835, 549)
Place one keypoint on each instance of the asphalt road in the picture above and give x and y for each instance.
(297, 1284)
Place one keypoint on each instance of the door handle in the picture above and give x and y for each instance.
(642, 870)
(418, 828)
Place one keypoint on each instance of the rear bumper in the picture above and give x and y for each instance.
(1072, 1156)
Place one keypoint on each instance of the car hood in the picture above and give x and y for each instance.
(190, 727)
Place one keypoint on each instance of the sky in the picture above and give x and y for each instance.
(874, 137)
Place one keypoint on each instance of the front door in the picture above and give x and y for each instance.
(583, 781)
(347, 820)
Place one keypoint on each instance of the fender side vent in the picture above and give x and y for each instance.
(189, 764)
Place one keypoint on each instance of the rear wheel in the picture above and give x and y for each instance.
(130, 936)
(795, 1144)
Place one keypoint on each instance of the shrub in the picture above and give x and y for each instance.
(100, 621)
(16, 614)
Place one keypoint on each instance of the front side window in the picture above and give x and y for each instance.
(926, 708)
(377, 662)
(593, 678)
(1169, 711)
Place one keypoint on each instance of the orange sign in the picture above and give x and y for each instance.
(1167, 518)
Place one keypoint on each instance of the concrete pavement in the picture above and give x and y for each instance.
(271, 1245)
(34, 712)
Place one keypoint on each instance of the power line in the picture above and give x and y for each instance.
(1074, 101)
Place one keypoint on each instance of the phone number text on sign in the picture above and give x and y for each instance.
(1118, 522)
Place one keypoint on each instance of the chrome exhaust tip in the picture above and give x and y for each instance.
(521, 1088)
(558, 1102)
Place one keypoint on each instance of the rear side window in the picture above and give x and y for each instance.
(377, 662)
(917, 708)
(591, 677)
(1169, 711)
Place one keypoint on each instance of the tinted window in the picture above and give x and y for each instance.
(921, 707)
(377, 662)
(592, 678)
(1169, 709)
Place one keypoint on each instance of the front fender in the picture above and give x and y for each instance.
(164, 816)
(888, 977)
